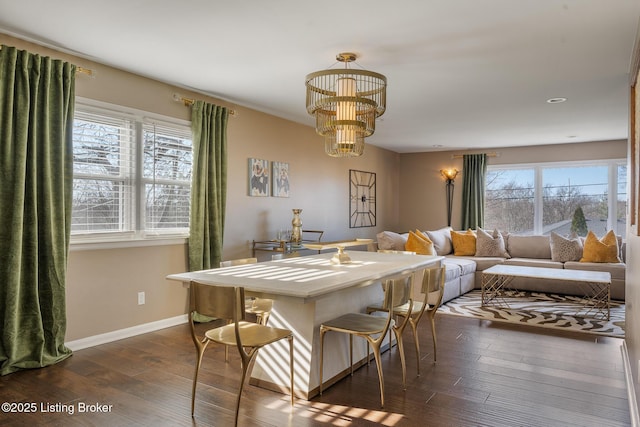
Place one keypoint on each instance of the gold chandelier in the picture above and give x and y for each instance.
(346, 103)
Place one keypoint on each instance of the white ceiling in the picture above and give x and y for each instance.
(461, 74)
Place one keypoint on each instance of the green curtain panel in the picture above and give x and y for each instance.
(36, 176)
(474, 172)
(208, 185)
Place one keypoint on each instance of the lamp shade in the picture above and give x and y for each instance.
(345, 103)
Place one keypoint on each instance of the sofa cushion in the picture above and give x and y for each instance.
(441, 240)
(490, 244)
(466, 265)
(529, 247)
(603, 250)
(617, 270)
(565, 249)
(464, 243)
(481, 263)
(390, 241)
(452, 271)
(420, 244)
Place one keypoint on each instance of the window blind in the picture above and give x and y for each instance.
(103, 161)
(167, 165)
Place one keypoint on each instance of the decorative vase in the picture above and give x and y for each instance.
(296, 230)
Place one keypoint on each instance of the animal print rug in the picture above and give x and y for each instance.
(538, 309)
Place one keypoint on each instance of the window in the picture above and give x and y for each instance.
(167, 178)
(131, 175)
(561, 197)
(509, 200)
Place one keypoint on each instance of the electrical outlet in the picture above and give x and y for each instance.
(140, 298)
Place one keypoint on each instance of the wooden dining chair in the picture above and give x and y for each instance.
(429, 299)
(397, 291)
(224, 302)
(259, 307)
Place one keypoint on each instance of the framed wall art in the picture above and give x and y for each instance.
(362, 199)
(280, 179)
(258, 177)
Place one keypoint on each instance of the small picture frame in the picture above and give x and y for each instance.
(280, 179)
(258, 177)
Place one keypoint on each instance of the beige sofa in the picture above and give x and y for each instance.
(464, 273)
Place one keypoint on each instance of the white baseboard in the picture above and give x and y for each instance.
(631, 391)
(126, 333)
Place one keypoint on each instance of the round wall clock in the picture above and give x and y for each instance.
(362, 199)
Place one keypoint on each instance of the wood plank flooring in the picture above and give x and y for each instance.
(487, 374)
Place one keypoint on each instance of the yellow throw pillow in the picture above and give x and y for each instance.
(421, 246)
(423, 236)
(603, 250)
(464, 244)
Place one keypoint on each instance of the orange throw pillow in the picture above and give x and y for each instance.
(603, 250)
(419, 244)
(464, 243)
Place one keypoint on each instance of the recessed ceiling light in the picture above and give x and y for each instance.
(556, 100)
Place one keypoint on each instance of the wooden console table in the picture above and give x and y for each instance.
(596, 285)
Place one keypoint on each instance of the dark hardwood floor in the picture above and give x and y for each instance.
(487, 374)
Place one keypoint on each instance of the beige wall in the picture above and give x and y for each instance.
(103, 284)
(632, 289)
(632, 312)
(422, 187)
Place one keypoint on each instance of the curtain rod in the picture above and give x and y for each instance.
(460, 156)
(88, 71)
(190, 101)
(82, 70)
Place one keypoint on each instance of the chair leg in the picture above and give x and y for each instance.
(290, 339)
(414, 329)
(262, 319)
(246, 362)
(200, 349)
(322, 332)
(400, 345)
(376, 355)
(432, 318)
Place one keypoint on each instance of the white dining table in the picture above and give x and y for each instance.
(306, 292)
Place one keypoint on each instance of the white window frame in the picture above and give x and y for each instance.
(136, 235)
(612, 165)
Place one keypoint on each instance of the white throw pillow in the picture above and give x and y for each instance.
(565, 249)
(390, 241)
(441, 240)
(490, 245)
